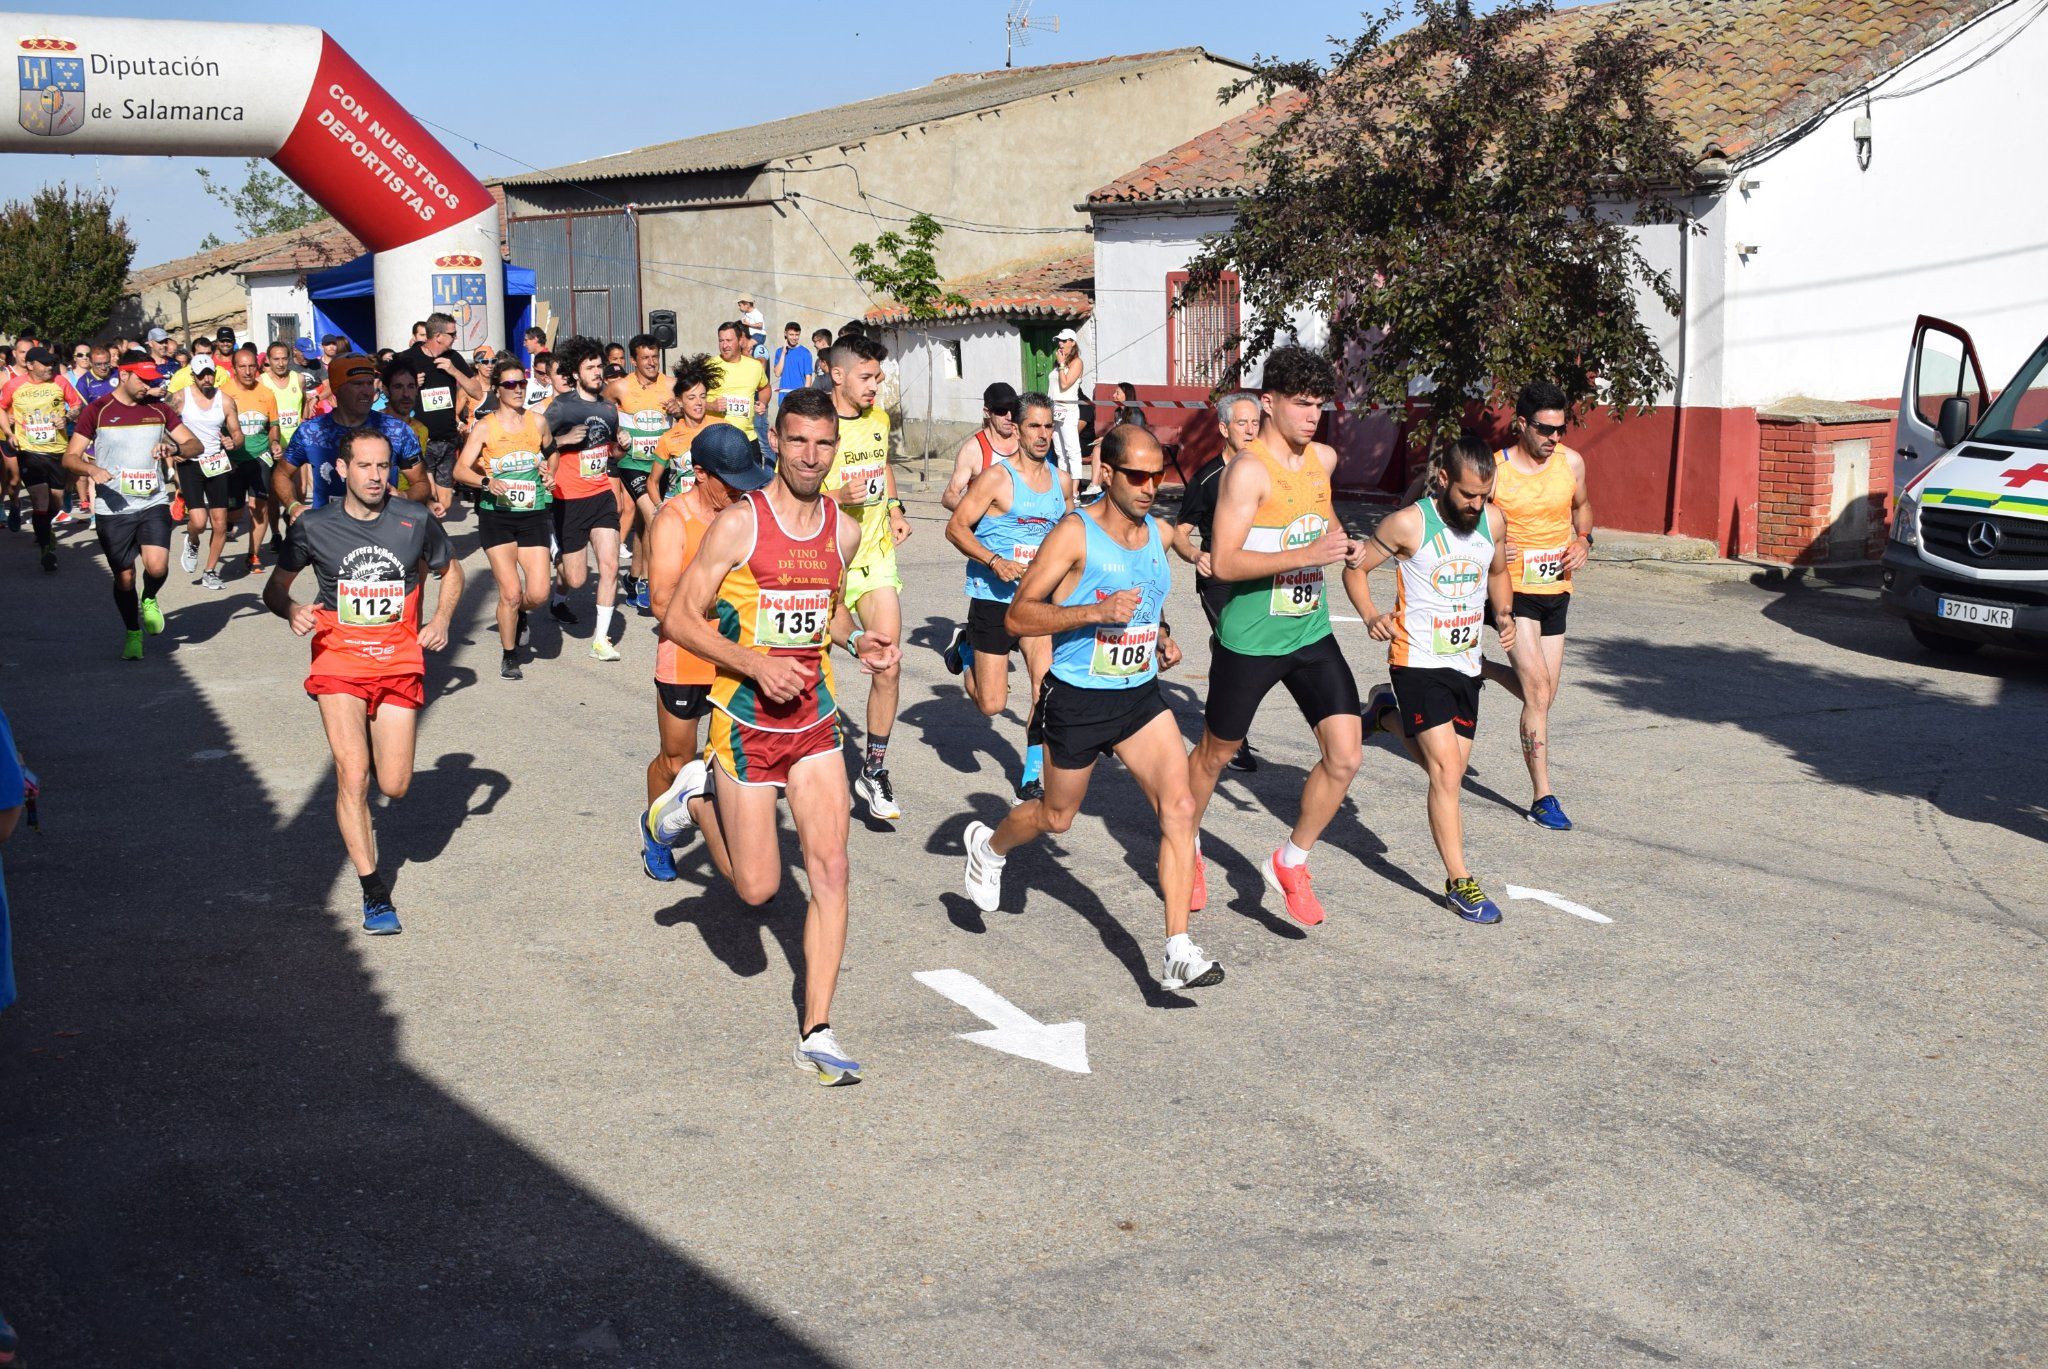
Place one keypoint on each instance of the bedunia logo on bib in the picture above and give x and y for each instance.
(1303, 530)
(1454, 579)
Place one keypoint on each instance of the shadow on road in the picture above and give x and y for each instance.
(215, 1151)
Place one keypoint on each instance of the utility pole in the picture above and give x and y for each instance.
(1018, 25)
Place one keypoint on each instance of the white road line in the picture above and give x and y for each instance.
(1063, 1045)
(1557, 901)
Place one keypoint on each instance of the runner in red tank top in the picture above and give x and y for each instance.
(995, 441)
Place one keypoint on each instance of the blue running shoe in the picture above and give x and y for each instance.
(1545, 812)
(1468, 901)
(958, 655)
(9, 1342)
(641, 598)
(380, 918)
(820, 1054)
(657, 859)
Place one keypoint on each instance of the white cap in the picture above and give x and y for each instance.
(1066, 335)
(201, 364)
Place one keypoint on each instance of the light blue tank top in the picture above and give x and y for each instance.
(1119, 656)
(1015, 534)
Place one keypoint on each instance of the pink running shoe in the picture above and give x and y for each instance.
(1294, 886)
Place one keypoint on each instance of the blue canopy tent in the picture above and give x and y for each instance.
(344, 302)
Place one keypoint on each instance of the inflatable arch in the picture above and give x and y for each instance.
(290, 94)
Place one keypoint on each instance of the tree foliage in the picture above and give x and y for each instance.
(265, 202)
(63, 263)
(1456, 198)
(905, 267)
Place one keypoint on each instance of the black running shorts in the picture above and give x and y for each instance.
(576, 519)
(1317, 675)
(123, 535)
(688, 702)
(1078, 726)
(202, 491)
(1547, 611)
(42, 468)
(636, 483)
(1430, 696)
(254, 478)
(985, 630)
(495, 529)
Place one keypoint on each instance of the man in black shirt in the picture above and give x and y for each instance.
(443, 374)
(1238, 416)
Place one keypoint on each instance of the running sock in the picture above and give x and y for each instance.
(131, 611)
(1292, 856)
(878, 752)
(1180, 946)
(1034, 762)
(374, 890)
(604, 623)
(152, 583)
(41, 519)
(821, 1027)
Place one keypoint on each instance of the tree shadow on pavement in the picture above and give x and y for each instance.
(216, 1151)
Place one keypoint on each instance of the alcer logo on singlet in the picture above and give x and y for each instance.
(1303, 531)
(1455, 578)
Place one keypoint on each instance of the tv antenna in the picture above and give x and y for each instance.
(1018, 26)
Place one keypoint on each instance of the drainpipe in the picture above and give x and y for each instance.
(1672, 502)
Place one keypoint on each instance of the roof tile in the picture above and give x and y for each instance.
(1057, 287)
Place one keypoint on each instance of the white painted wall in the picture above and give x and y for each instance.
(1133, 253)
(1948, 220)
(990, 350)
(277, 292)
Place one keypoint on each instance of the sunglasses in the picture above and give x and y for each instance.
(1140, 477)
(512, 383)
(1548, 429)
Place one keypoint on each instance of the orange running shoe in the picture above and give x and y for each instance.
(1293, 883)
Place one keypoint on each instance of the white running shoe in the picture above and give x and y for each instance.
(819, 1054)
(880, 796)
(188, 558)
(984, 877)
(603, 650)
(672, 810)
(1187, 967)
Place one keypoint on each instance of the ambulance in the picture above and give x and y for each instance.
(1967, 562)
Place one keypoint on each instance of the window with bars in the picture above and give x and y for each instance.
(1201, 330)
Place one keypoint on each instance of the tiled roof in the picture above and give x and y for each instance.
(308, 251)
(1059, 287)
(1766, 66)
(235, 255)
(944, 98)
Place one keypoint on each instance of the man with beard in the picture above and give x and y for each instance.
(1452, 566)
(588, 431)
(369, 553)
(761, 602)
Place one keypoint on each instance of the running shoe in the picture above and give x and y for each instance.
(1244, 759)
(1187, 966)
(984, 878)
(49, 558)
(62, 519)
(1379, 706)
(1294, 885)
(9, 1342)
(560, 611)
(601, 649)
(178, 508)
(641, 599)
(625, 556)
(955, 660)
(671, 823)
(1547, 813)
(820, 1054)
(211, 580)
(188, 555)
(380, 918)
(1198, 897)
(1033, 788)
(508, 668)
(132, 651)
(1470, 902)
(152, 617)
(880, 796)
(14, 515)
(654, 857)
(255, 563)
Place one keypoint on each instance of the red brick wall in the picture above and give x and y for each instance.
(1795, 480)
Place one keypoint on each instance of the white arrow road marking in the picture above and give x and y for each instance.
(1063, 1045)
(1557, 901)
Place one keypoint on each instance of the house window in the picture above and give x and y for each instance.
(1201, 331)
(953, 366)
(283, 328)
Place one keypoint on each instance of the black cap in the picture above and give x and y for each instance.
(1000, 398)
(41, 355)
(725, 452)
(224, 333)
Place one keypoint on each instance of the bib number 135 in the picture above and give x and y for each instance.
(792, 618)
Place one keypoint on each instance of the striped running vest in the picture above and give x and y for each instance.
(1440, 597)
(780, 600)
(1274, 615)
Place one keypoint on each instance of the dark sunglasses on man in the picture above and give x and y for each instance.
(512, 383)
(1140, 477)
(1548, 429)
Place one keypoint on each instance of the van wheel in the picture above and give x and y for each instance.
(1941, 644)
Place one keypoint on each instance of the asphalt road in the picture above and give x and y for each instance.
(1783, 1107)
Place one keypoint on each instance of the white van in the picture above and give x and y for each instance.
(1967, 562)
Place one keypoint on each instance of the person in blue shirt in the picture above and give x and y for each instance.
(354, 382)
(793, 363)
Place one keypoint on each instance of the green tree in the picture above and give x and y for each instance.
(63, 263)
(905, 267)
(1455, 199)
(265, 202)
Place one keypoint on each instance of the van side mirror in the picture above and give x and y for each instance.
(1955, 420)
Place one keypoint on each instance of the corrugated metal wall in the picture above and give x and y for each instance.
(586, 269)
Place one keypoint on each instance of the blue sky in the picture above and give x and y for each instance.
(645, 74)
